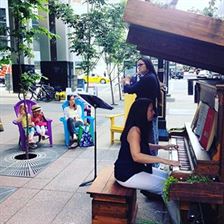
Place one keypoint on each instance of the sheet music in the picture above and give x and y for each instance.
(202, 114)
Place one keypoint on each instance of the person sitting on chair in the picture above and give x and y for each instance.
(39, 121)
(30, 126)
(73, 115)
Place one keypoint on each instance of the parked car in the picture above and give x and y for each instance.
(216, 75)
(177, 75)
(191, 71)
(95, 79)
(204, 74)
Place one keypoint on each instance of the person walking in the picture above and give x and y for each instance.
(133, 167)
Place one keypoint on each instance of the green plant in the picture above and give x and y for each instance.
(146, 222)
(28, 79)
(166, 189)
(198, 179)
(191, 179)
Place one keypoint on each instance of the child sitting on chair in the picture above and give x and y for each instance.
(23, 119)
(39, 121)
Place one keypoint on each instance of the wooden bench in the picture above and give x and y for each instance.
(112, 203)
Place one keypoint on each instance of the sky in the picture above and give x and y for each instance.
(188, 4)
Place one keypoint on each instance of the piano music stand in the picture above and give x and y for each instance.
(95, 102)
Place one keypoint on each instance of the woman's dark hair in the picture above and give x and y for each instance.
(69, 97)
(137, 116)
(148, 63)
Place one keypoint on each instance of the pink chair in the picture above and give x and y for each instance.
(22, 136)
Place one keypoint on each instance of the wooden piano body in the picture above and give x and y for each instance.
(203, 162)
(197, 41)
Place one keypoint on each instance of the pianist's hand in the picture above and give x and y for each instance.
(173, 163)
(170, 147)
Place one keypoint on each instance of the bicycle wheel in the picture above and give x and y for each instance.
(41, 95)
(28, 95)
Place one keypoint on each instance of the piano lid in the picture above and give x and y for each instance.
(176, 35)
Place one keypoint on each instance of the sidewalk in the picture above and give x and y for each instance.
(54, 195)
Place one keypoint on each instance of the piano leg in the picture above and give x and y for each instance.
(195, 214)
(220, 214)
(201, 213)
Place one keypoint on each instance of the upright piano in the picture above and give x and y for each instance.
(198, 41)
(196, 160)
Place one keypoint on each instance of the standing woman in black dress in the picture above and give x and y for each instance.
(148, 86)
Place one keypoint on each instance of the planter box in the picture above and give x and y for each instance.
(212, 193)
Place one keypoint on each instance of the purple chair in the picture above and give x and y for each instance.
(22, 136)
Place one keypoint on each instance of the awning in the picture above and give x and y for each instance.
(175, 35)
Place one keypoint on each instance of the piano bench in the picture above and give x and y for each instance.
(111, 202)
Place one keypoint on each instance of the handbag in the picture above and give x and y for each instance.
(85, 138)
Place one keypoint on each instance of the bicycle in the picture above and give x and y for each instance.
(39, 92)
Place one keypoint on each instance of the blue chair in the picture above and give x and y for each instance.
(82, 104)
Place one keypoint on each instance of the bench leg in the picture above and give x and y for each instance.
(111, 137)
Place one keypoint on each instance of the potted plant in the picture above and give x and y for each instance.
(197, 188)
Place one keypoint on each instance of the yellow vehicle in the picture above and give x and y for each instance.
(96, 79)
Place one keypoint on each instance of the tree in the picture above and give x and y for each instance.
(21, 36)
(100, 31)
(83, 35)
(111, 37)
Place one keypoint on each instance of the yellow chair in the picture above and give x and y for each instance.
(128, 100)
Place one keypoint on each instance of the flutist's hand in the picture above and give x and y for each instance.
(126, 81)
(163, 87)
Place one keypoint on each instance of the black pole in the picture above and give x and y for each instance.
(95, 140)
(95, 102)
(95, 154)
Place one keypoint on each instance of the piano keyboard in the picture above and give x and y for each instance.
(181, 154)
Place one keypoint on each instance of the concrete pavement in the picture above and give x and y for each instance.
(54, 196)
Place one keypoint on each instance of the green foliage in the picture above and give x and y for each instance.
(22, 13)
(5, 60)
(28, 79)
(198, 179)
(21, 33)
(97, 2)
(209, 11)
(99, 32)
(166, 189)
(146, 222)
(111, 36)
(63, 11)
(85, 25)
(191, 179)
